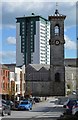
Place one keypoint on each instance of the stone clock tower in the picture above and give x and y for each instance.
(57, 69)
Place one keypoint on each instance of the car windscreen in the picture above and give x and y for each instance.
(71, 102)
(24, 103)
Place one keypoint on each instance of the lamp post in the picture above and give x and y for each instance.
(31, 81)
(72, 82)
(29, 85)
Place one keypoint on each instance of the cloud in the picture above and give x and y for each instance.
(9, 15)
(69, 43)
(7, 56)
(11, 40)
(0, 15)
(38, 1)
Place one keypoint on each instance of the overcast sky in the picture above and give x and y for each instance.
(11, 10)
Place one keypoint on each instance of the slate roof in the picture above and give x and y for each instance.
(37, 67)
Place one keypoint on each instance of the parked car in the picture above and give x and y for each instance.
(37, 99)
(32, 100)
(74, 93)
(25, 105)
(75, 109)
(68, 105)
(16, 103)
(4, 108)
(11, 103)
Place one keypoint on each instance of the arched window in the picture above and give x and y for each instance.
(57, 77)
(57, 30)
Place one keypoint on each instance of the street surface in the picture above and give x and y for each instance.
(47, 110)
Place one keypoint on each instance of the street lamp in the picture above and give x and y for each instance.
(31, 81)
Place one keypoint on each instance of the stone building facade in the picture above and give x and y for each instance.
(51, 81)
(38, 79)
(57, 68)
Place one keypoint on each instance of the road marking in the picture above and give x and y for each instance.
(50, 114)
(0, 118)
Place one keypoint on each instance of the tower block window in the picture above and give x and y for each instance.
(57, 30)
(57, 77)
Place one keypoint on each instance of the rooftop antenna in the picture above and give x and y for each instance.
(56, 11)
(57, 5)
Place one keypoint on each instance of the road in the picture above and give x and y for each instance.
(46, 110)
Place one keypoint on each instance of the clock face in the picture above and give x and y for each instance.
(57, 42)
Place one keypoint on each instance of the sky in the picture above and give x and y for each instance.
(11, 10)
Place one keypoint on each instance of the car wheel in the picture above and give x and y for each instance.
(76, 114)
(3, 113)
(18, 109)
(30, 108)
(9, 113)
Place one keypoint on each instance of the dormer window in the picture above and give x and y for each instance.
(57, 30)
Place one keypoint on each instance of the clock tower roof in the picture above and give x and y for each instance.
(57, 15)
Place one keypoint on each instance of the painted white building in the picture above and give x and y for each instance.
(32, 40)
(12, 76)
(12, 83)
(23, 80)
(19, 81)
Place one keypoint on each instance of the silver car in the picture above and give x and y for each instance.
(4, 108)
(75, 109)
